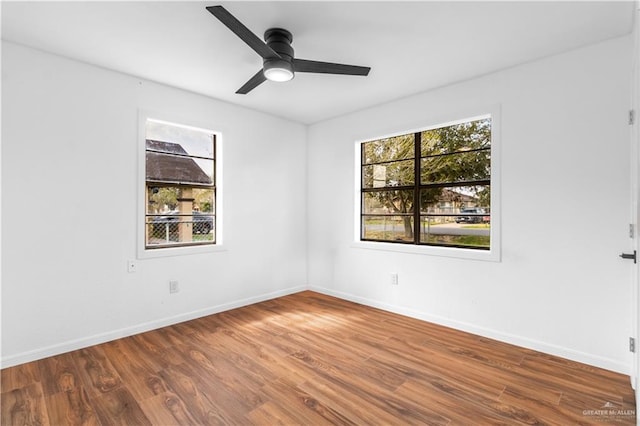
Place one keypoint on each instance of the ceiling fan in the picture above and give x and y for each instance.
(279, 63)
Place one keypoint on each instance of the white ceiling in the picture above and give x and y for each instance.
(411, 47)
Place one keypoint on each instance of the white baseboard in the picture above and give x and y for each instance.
(586, 358)
(72, 345)
(551, 349)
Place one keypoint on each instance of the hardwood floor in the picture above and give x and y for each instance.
(311, 359)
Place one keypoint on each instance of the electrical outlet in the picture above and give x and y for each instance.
(174, 286)
(394, 278)
(132, 266)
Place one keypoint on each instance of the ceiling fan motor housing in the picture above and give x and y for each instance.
(279, 63)
(279, 40)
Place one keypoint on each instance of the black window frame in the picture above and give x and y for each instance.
(418, 186)
(151, 183)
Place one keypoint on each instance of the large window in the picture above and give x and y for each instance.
(180, 170)
(431, 187)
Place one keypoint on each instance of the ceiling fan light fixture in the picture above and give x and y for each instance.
(279, 61)
(278, 70)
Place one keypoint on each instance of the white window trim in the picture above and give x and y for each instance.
(495, 252)
(142, 251)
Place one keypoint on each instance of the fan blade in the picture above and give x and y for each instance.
(303, 65)
(253, 82)
(243, 32)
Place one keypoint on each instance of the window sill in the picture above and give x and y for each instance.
(179, 251)
(459, 253)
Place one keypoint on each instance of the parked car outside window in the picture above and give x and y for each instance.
(475, 215)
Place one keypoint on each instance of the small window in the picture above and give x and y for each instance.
(431, 187)
(180, 190)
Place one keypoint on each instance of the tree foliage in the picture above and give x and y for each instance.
(165, 198)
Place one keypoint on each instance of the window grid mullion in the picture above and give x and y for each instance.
(416, 186)
(444, 154)
(389, 188)
(455, 183)
(361, 193)
(175, 154)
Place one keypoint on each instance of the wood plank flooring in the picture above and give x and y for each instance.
(310, 359)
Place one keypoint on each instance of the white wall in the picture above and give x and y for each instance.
(560, 286)
(69, 170)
